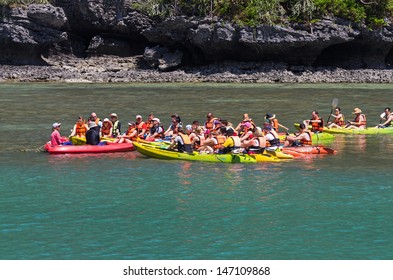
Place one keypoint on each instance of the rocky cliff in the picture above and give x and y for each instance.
(44, 34)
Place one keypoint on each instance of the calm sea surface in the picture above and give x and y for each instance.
(126, 206)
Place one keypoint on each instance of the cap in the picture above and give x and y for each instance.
(189, 127)
(247, 124)
(207, 131)
(114, 115)
(54, 125)
(107, 120)
(270, 116)
(138, 117)
(156, 120)
(230, 131)
(131, 123)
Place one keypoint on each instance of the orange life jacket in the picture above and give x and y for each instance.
(80, 129)
(317, 126)
(220, 141)
(340, 121)
(362, 123)
(305, 142)
(210, 124)
(106, 129)
(129, 131)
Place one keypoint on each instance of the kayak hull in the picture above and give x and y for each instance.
(307, 150)
(94, 149)
(155, 152)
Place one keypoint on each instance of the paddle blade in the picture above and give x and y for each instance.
(334, 102)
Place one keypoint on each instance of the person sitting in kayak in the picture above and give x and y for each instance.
(273, 122)
(339, 120)
(232, 144)
(246, 131)
(93, 134)
(360, 120)
(316, 122)
(209, 123)
(106, 129)
(129, 135)
(272, 138)
(80, 128)
(181, 141)
(386, 118)
(256, 145)
(55, 137)
(301, 139)
(116, 125)
(141, 126)
(156, 131)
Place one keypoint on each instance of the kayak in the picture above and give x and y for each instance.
(79, 149)
(368, 130)
(76, 140)
(155, 151)
(316, 150)
(278, 153)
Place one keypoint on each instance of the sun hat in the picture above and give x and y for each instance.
(156, 120)
(270, 116)
(356, 111)
(107, 120)
(92, 124)
(138, 117)
(113, 115)
(55, 125)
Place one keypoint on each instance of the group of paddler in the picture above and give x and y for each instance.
(215, 135)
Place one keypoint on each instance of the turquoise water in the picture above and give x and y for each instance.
(126, 206)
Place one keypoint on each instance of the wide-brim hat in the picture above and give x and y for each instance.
(107, 120)
(357, 111)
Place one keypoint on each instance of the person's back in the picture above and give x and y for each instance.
(93, 134)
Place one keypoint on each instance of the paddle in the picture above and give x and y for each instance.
(334, 106)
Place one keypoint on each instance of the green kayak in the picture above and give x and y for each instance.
(155, 152)
(369, 130)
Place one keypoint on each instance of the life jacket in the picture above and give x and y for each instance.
(186, 147)
(305, 142)
(274, 142)
(210, 124)
(149, 125)
(105, 130)
(340, 121)
(197, 143)
(363, 123)
(129, 131)
(116, 128)
(80, 129)
(257, 149)
(220, 141)
(161, 134)
(317, 126)
(140, 127)
(274, 124)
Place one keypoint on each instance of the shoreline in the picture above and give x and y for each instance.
(131, 70)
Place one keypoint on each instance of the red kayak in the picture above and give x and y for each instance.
(307, 150)
(80, 149)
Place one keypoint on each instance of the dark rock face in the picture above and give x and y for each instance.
(85, 28)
